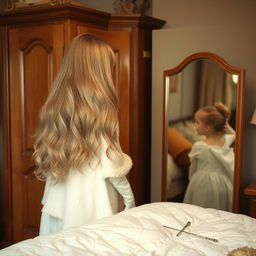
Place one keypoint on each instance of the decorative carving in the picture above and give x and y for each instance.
(130, 6)
(143, 5)
(12, 5)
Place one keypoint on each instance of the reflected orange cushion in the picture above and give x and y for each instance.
(179, 147)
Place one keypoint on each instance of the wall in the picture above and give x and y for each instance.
(182, 98)
(226, 28)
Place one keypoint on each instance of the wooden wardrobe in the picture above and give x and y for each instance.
(32, 42)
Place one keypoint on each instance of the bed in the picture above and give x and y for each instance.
(141, 231)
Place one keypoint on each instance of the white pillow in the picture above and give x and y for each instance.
(173, 171)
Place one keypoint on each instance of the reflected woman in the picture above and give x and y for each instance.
(212, 160)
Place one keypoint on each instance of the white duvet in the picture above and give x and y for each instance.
(140, 231)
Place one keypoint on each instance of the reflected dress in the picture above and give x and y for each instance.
(211, 175)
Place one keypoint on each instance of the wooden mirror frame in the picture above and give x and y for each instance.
(239, 120)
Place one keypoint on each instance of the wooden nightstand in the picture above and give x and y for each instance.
(251, 192)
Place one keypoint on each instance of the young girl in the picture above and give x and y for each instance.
(77, 148)
(212, 160)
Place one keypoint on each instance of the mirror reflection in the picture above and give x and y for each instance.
(202, 82)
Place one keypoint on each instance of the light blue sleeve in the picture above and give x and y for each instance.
(123, 187)
(194, 156)
(48, 185)
(192, 168)
(195, 151)
(230, 138)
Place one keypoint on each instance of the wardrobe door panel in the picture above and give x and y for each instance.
(35, 54)
(120, 42)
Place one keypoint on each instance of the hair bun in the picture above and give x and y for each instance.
(223, 109)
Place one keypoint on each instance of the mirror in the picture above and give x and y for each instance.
(202, 79)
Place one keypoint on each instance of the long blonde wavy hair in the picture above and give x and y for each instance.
(82, 107)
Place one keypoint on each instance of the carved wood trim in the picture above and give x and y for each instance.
(35, 41)
(25, 50)
(55, 13)
(6, 220)
(135, 20)
(204, 55)
(13, 5)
